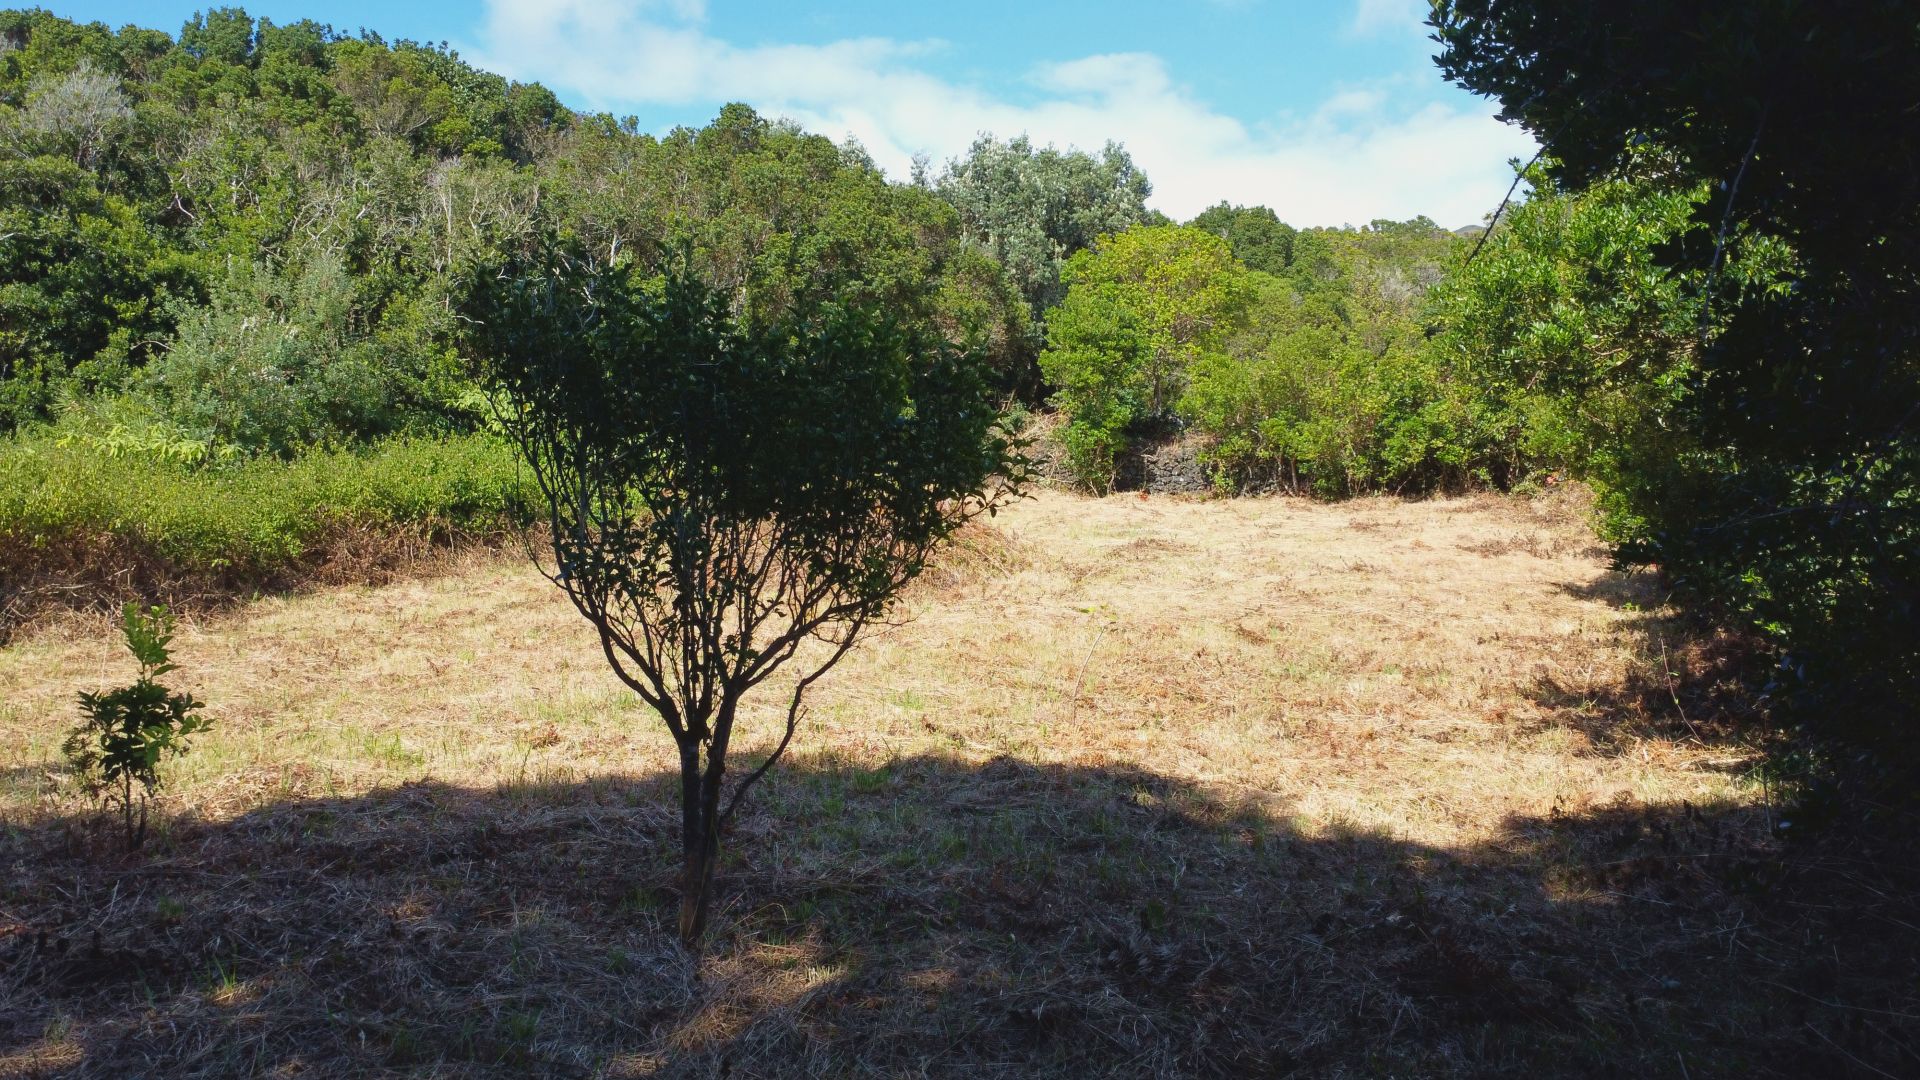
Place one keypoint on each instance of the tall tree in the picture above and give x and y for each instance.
(1799, 511)
(1257, 235)
(1033, 209)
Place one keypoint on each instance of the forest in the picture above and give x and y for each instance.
(287, 310)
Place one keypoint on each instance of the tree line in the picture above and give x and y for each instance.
(250, 234)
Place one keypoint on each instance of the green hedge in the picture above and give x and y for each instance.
(249, 518)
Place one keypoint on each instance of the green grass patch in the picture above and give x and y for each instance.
(73, 516)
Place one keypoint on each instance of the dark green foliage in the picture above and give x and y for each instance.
(1797, 510)
(723, 490)
(260, 166)
(784, 219)
(1258, 237)
(1326, 395)
(247, 243)
(223, 35)
(137, 174)
(83, 285)
(1576, 345)
(1097, 363)
(285, 362)
(118, 747)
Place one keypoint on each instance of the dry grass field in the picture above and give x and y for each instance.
(1136, 787)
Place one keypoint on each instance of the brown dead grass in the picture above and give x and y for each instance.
(82, 577)
(1139, 786)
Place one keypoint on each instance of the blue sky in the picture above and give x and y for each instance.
(1330, 111)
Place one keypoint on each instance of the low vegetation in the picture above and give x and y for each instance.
(116, 751)
(1141, 787)
(77, 519)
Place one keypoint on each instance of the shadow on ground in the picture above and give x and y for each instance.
(1693, 682)
(935, 917)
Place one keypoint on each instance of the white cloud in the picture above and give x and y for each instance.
(1361, 154)
(1386, 16)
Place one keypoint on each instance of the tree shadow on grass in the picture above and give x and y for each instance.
(1635, 589)
(935, 917)
(26, 778)
(1692, 683)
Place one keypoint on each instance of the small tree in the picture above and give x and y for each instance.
(722, 493)
(118, 747)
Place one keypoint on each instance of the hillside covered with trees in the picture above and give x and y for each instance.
(233, 249)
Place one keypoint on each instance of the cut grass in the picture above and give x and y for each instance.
(1139, 787)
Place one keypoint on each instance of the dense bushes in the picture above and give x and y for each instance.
(64, 506)
(1304, 405)
(83, 285)
(1794, 508)
(1317, 377)
(268, 220)
(1328, 385)
(1578, 346)
(229, 263)
(284, 361)
(1141, 308)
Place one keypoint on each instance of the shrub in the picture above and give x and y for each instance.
(1317, 377)
(1329, 385)
(1791, 506)
(75, 514)
(723, 492)
(282, 360)
(118, 747)
(1142, 307)
(1578, 346)
(1307, 408)
(1097, 361)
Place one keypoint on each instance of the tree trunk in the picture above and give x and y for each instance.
(700, 841)
(696, 874)
(696, 888)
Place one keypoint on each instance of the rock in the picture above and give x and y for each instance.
(1168, 466)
